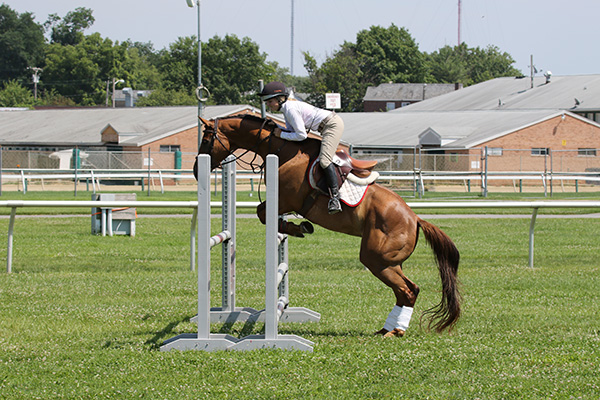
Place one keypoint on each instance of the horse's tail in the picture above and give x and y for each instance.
(446, 313)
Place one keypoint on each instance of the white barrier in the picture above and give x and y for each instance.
(533, 205)
(276, 292)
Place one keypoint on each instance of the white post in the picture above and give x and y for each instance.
(203, 253)
(9, 249)
(531, 233)
(228, 217)
(272, 248)
(193, 241)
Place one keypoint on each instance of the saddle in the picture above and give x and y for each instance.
(359, 172)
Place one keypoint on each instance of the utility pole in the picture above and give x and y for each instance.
(202, 93)
(115, 81)
(459, 11)
(532, 69)
(36, 78)
(292, 42)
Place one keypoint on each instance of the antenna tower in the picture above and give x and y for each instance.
(292, 42)
(459, 10)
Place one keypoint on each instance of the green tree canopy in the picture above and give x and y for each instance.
(13, 94)
(69, 30)
(379, 55)
(22, 44)
(469, 65)
(389, 55)
(80, 72)
(382, 55)
(231, 68)
(341, 74)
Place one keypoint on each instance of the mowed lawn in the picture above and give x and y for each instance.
(83, 316)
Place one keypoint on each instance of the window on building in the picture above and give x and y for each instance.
(390, 105)
(586, 152)
(494, 151)
(540, 151)
(169, 148)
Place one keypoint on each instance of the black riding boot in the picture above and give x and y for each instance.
(334, 205)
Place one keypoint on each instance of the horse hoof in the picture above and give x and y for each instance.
(394, 333)
(307, 227)
(387, 334)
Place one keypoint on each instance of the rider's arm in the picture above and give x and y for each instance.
(294, 125)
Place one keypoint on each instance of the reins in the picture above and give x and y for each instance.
(254, 149)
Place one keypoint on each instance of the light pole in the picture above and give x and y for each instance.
(114, 83)
(202, 92)
(36, 79)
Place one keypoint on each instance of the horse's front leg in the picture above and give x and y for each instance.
(287, 227)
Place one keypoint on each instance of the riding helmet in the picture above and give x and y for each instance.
(273, 89)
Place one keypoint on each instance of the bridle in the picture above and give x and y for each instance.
(238, 158)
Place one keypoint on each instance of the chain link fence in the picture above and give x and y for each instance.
(480, 170)
(476, 170)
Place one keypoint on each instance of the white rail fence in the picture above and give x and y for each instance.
(417, 177)
(535, 206)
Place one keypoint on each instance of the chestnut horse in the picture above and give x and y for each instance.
(388, 227)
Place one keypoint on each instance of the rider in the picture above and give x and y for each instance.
(300, 117)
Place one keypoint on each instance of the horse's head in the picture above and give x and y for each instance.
(214, 143)
(223, 136)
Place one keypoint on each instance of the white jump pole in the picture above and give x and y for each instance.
(274, 306)
(203, 340)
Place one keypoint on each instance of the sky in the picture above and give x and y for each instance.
(561, 35)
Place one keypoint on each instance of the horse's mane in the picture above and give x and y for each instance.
(311, 144)
(269, 123)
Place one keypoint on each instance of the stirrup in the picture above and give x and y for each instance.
(334, 206)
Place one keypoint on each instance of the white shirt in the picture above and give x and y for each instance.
(300, 117)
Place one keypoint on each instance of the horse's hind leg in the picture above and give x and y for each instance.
(383, 254)
(406, 293)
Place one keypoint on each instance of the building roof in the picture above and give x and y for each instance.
(407, 91)
(83, 126)
(461, 119)
(455, 129)
(577, 93)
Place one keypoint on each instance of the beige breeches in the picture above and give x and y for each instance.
(331, 134)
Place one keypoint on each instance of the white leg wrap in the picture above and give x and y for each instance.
(398, 318)
(404, 318)
(392, 319)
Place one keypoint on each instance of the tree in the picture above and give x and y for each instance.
(389, 55)
(15, 95)
(81, 71)
(139, 64)
(165, 97)
(69, 30)
(379, 55)
(341, 74)
(21, 44)
(469, 65)
(178, 65)
(232, 69)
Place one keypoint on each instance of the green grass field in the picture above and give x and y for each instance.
(83, 317)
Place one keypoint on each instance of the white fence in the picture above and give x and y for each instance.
(533, 205)
(417, 178)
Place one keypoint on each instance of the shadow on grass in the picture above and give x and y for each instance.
(156, 341)
(254, 327)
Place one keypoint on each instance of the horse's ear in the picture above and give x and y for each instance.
(204, 121)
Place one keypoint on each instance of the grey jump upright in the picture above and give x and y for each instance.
(203, 340)
(274, 307)
(276, 274)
